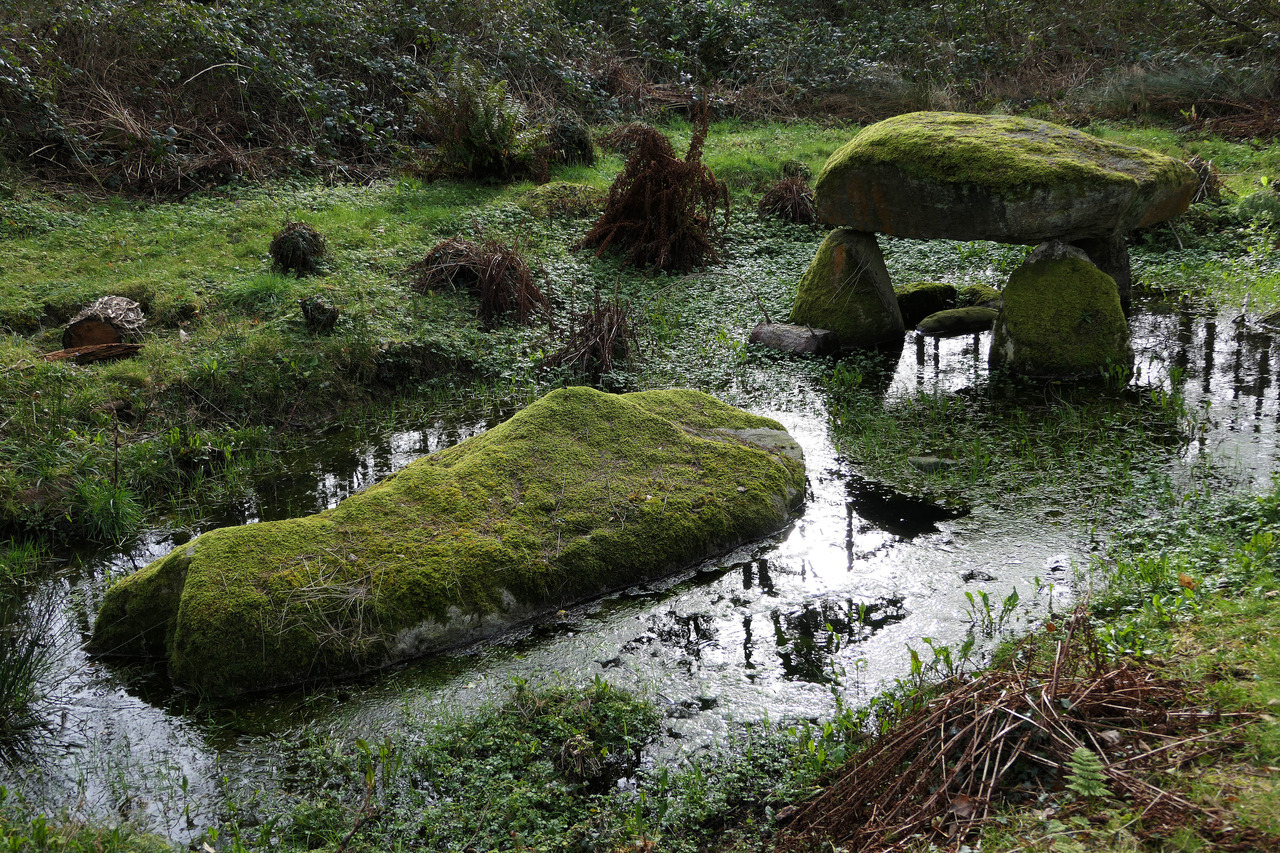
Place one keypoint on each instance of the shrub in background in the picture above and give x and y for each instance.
(495, 272)
(480, 130)
(297, 248)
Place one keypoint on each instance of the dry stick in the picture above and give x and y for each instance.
(1182, 742)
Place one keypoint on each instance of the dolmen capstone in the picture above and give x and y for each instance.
(580, 493)
(942, 175)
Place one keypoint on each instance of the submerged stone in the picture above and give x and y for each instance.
(1061, 318)
(581, 493)
(846, 289)
(931, 175)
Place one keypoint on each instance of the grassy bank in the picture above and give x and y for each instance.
(230, 373)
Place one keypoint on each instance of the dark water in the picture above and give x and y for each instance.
(769, 630)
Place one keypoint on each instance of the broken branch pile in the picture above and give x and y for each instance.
(1009, 733)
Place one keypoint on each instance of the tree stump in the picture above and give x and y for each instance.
(110, 320)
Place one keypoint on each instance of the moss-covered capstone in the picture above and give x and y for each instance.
(931, 175)
(580, 493)
(846, 289)
(1061, 318)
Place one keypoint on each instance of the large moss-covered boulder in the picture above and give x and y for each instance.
(955, 176)
(847, 290)
(580, 493)
(1061, 318)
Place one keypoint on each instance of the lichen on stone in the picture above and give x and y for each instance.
(580, 493)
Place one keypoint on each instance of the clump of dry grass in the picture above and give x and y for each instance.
(598, 339)
(662, 209)
(790, 199)
(297, 248)
(495, 272)
(1009, 733)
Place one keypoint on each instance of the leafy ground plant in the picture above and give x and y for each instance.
(539, 769)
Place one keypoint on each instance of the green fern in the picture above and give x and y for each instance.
(1085, 774)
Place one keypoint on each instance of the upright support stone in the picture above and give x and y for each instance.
(1061, 318)
(1111, 255)
(847, 290)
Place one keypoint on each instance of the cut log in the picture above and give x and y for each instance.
(110, 320)
(801, 340)
(94, 352)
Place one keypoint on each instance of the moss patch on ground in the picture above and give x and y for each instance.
(580, 493)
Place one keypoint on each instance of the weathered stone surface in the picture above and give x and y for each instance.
(1061, 318)
(1111, 255)
(846, 289)
(801, 340)
(580, 493)
(922, 298)
(958, 321)
(955, 176)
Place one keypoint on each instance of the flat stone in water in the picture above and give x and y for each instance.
(580, 493)
(958, 321)
(930, 464)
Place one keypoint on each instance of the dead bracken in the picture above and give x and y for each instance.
(791, 200)
(1010, 733)
(599, 338)
(662, 210)
(495, 272)
(297, 248)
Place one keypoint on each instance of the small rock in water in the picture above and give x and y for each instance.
(930, 464)
(977, 575)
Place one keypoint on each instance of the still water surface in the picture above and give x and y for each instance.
(768, 630)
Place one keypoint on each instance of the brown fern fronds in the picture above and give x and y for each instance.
(662, 210)
(495, 272)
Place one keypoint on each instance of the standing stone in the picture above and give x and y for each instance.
(847, 290)
(1111, 255)
(1061, 318)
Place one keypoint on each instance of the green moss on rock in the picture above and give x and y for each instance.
(922, 298)
(1006, 153)
(948, 175)
(1061, 319)
(580, 493)
(977, 295)
(846, 289)
(971, 320)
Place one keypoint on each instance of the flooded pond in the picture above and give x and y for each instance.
(771, 630)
